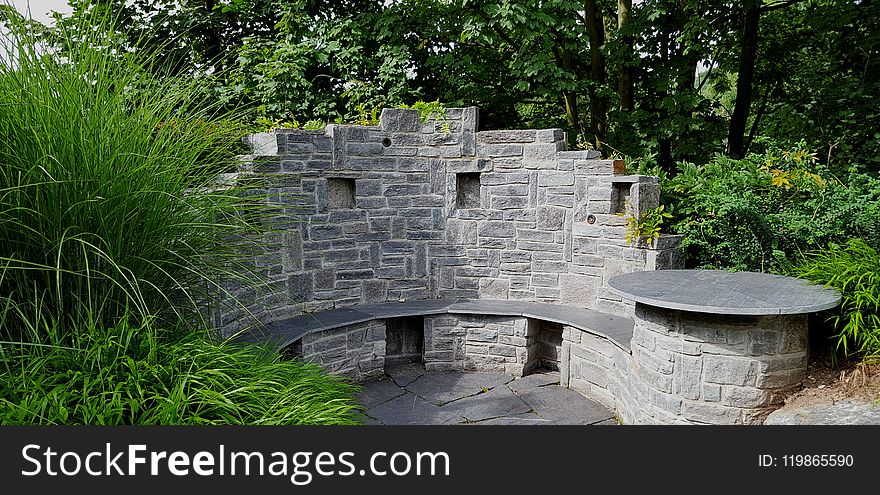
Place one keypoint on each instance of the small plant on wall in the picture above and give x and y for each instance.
(645, 229)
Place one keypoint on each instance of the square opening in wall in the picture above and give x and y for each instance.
(340, 192)
(293, 351)
(619, 196)
(467, 190)
(404, 340)
(543, 346)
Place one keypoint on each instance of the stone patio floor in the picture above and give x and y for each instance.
(408, 395)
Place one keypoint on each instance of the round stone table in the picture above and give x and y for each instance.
(714, 346)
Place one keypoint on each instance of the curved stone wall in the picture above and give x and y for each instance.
(422, 210)
(688, 368)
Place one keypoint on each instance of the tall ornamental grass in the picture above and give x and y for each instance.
(854, 270)
(114, 233)
(124, 375)
(109, 202)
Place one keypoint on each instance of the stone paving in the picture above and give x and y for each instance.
(408, 395)
(847, 412)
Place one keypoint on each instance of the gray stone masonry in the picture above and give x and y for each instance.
(355, 351)
(691, 368)
(372, 214)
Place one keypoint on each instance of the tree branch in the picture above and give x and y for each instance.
(779, 5)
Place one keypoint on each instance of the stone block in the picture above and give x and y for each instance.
(763, 342)
(509, 202)
(781, 379)
(494, 288)
(728, 370)
(578, 290)
(687, 374)
(701, 412)
(461, 232)
(550, 218)
(549, 136)
(399, 120)
(744, 397)
(506, 136)
(548, 179)
(300, 287)
(374, 291)
(496, 229)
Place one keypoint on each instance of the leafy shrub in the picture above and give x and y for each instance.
(131, 375)
(109, 203)
(763, 212)
(854, 270)
(645, 229)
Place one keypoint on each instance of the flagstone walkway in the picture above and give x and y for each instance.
(408, 395)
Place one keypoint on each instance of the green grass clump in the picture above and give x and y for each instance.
(113, 228)
(854, 270)
(129, 375)
(109, 202)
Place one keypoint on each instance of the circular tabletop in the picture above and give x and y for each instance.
(726, 293)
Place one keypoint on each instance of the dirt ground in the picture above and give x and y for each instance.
(827, 383)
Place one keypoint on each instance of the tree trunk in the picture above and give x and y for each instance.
(211, 36)
(757, 120)
(748, 55)
(570, 97)
(598, 107)
(625, 81)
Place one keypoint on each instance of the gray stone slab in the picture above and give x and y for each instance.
(406, 308)
(375, 392)
(282, 333)
(336, 318)
(488, 307)
(564, 406)
(617, 329)
(541, 379)
(409, 409)
(847, 412)
(498, 402)
(484, 399)
(405, 374)
(445, 387)
(518, 420)
(608, 422)
(720, 292)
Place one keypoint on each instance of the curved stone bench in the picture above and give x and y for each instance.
(475, 335)
(704, 347)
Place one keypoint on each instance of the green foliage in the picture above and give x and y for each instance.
(116, 222)
(428, 110)
(109, 195)
(646, 228)
(130, 375)
(524, 62)
(763, 212)
(265, 124)
(854, 270)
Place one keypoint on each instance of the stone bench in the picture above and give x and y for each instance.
(469, 335)
(703, 346)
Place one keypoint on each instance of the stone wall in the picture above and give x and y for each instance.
(688, 368)
(465, 342)
(413, 210)
(354, 351)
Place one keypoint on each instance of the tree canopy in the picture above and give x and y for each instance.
(665, 80)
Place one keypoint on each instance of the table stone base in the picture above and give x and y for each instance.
(719, 369)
